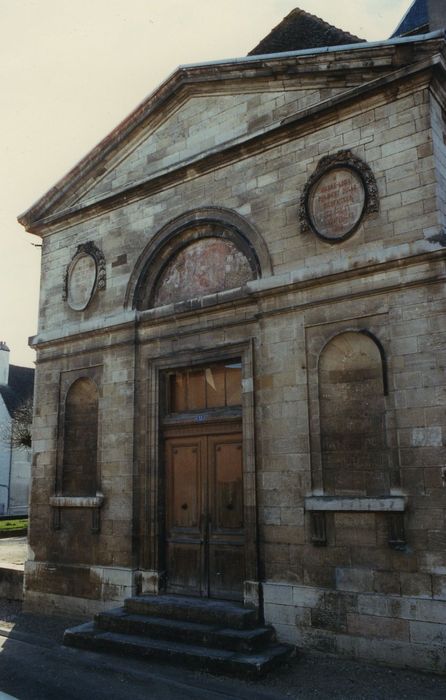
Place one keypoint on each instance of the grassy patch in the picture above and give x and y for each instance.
(13, 524)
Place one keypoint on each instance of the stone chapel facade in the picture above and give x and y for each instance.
(240, 388)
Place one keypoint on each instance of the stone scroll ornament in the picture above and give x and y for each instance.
(84, 276)
(337, 196)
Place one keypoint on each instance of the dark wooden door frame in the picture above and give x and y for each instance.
(149, 475)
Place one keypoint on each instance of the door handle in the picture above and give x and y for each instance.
(205, 521)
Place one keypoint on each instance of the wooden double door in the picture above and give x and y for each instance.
(204, 533)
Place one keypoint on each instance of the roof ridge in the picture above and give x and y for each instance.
(300, 29)
(298, 10)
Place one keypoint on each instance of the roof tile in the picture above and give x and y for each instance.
(301, 30)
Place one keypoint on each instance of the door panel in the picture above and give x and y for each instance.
(226, 571)
(185, 486)
(184, 568)
(226, 483)
(204, 529)
(226, 536)
(184, 508)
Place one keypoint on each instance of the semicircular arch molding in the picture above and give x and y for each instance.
(181, 232)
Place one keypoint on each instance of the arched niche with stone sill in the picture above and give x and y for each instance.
(79, 470)
(356, 460)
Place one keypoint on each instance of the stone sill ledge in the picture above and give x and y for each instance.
(387, 504)
(77, 501)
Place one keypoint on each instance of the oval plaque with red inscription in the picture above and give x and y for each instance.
(336, 203)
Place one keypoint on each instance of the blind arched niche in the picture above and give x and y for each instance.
(79, 470)
(201, 252)
(352, 387)
(202, 267)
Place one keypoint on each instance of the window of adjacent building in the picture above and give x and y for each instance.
(214, 386)
(79, 474)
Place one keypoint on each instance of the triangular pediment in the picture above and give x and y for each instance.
(194, 125)
(204, 110)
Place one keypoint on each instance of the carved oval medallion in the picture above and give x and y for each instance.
(336, 203)
(81, 281)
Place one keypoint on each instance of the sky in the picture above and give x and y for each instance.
(71, 71)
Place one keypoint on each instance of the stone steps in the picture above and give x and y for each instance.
(200, 633)
(203, 610)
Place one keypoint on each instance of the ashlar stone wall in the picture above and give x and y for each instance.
(373, 582)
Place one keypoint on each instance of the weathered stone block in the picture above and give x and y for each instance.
(386, 582)
(353, 579)
(278, 594)
(380, 627)
(439, 587)
(428, 633)
(416, 585)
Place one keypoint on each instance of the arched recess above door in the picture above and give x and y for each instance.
(201, 252)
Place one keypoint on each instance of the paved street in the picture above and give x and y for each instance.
(13, 551)
(35, 666)
(33, 672)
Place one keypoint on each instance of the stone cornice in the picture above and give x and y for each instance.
(252, 295)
